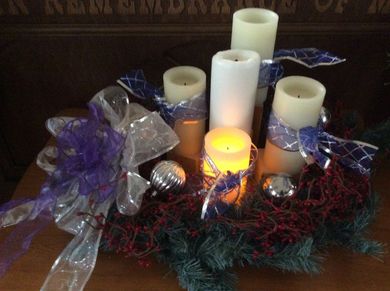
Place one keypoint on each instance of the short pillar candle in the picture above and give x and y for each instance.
(180, 84)
(229, 149)
(297, 101)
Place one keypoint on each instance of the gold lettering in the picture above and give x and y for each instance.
(52, 7)
(287, 7)
(175, 10)
(17, 7)
(126, 7)
(379, 6)
(150, 7)
(192, 10)
(270, 5)
(340, 6)
(97, 7)
(244, 3)
(220, 8)
(74, 7)
(322, 7)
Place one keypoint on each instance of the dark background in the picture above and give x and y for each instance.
(58, 54)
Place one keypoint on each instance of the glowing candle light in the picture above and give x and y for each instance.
(229, 149)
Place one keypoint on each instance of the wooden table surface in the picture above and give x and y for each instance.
(343, 270)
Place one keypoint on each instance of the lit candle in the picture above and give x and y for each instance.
(180, 84)
(229, 149)
(298, 101)
(255, 29)
(234, 75)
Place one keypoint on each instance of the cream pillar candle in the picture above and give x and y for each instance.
(183, 82)
(229, 149)
(180, 84)
(234, 75)
(255, 29)
(297, 101)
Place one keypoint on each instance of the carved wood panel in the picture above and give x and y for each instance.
(56, 54)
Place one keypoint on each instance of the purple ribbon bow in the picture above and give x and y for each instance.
(86, 151)
(318, 146)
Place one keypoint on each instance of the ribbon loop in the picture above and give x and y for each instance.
(318, 146)
(308, 57)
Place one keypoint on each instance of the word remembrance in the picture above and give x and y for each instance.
(211, 200)
(181, 7)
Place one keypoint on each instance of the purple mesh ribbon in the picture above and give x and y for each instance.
(193, 109)
(318, 146)
(271, 71)
(86, 150)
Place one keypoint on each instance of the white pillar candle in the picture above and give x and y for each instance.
(183, 82)
(234, 75)
(180, 84)
(229, 149)
(255, 29)
(297, 101)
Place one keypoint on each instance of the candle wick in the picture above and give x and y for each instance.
(236, 60)
(227, 148)
(299, 96)
(185, 84)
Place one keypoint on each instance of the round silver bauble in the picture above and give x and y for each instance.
(278, 186)
(167, 176)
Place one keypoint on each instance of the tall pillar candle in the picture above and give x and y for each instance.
(255, 29)
(234, 75)
(297, 101)
(180, 84)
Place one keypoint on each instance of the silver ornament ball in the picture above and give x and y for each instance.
(167, 176)
(278, 186)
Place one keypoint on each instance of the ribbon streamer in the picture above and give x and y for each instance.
(195, 108)
(93, 157)
(271, 71)
(318, 146)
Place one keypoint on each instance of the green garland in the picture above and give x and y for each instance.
(203, 253)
